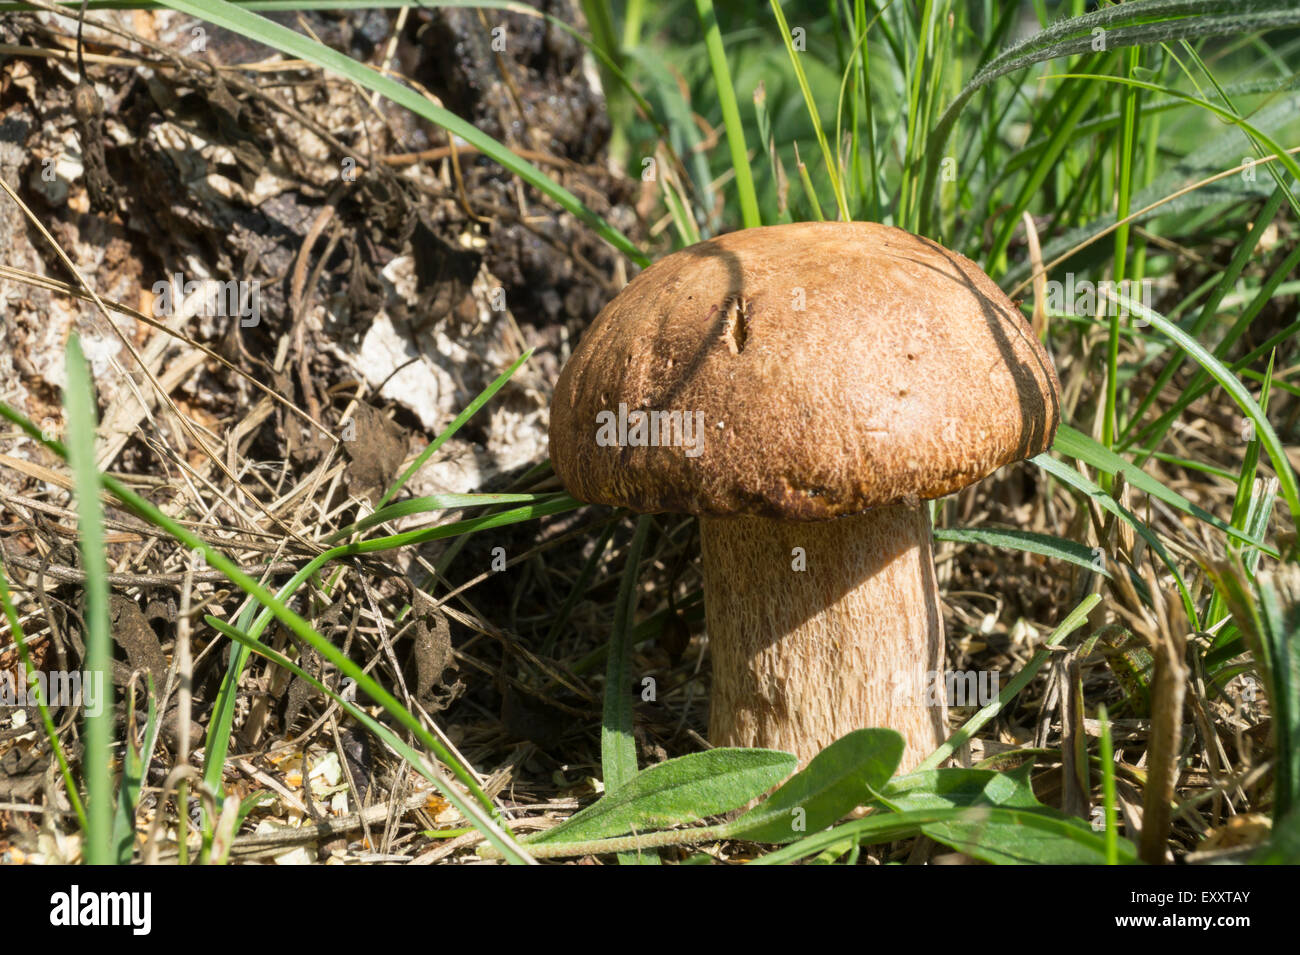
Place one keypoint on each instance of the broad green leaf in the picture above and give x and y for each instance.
(837, 780)
(957, 788)
(677, 792)
(992, 837)
(1024, 838)
(991, 833)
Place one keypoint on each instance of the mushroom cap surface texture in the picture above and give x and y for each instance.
(801, 372)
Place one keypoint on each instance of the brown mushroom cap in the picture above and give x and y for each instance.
(835, 366)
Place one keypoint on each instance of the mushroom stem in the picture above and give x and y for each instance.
(853, 640)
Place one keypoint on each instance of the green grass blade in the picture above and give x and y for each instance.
(1106, 754)
(274, 607)
(1279, 599)
(1075, 619)
(832, 166)
(1201, 382)
(749, 213)
(51, 732)
(1236, 390)
(1227, 115)
(135, 763)
(809, 190)
(617, 744)
(1127, 156)
(79, 401)
(579, 588)
(426, 505)
(1124, 25)
(618, 749)
(448, 432)
(1046, 545)
(1072, 478)
(1241, 256)
(486, 823)
(1073, 443)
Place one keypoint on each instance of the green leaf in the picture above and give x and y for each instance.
(978, 831)
(993, 837)
(957, 788)
(837, 780)
(1025, 838)
(677, 792)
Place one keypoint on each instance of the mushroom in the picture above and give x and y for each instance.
(804, 389)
